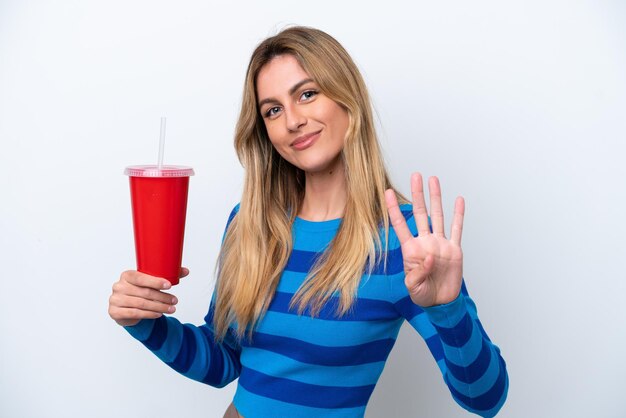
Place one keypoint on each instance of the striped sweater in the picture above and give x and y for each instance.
(327, 366)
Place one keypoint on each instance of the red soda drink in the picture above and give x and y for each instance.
(159, 206)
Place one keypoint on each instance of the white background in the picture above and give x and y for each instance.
(517, 105)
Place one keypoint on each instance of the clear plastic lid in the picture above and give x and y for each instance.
(153, 171)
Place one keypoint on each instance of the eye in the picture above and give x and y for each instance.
(308, 94)
(272, 111)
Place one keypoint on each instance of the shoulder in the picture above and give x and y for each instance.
(391, 244)
(407, 211)
(233, 212)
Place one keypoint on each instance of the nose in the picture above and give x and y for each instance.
(294, 119)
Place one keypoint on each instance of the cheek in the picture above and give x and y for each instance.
(277, 144)
(273, 133)
(341, 123)
(282, 153)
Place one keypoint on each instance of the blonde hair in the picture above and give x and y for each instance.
(258, 241)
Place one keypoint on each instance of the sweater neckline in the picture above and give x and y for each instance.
(316, 226)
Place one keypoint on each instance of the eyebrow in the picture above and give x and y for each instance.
(292, 90)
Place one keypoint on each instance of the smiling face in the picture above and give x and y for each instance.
(305, 126)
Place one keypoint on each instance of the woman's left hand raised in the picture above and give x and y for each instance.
(433, 264)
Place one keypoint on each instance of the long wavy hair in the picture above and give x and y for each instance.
(258, 242)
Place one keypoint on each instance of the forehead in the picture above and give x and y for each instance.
(278, 76)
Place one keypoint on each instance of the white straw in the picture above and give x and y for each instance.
(162, 142)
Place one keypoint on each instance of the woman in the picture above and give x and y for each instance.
(313, 285)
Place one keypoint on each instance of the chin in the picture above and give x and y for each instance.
(317, 166)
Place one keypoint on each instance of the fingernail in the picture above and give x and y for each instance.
(167, 285)
(171, 309)
(174, 300)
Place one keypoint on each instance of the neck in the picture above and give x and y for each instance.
(325, 194)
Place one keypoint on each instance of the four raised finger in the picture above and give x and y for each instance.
(419, 204)
(421, 213)
(456, 231)
(436, 209)
(397, 220)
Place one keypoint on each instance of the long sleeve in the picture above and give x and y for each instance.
(471, 365)
(191, 350)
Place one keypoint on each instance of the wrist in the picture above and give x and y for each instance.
(142, 329)
(447, 314)
(127, 322)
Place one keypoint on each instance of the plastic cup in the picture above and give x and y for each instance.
(159, 206)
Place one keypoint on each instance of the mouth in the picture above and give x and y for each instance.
(305, 140)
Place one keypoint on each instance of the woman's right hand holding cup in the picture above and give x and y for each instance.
(138, 296)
